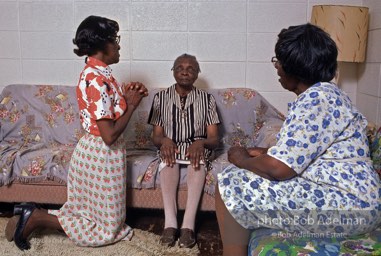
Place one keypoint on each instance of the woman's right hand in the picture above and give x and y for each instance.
(168, 151)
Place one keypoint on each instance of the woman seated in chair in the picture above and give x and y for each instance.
(319, 177)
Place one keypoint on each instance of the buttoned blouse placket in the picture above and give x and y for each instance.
(190, 99)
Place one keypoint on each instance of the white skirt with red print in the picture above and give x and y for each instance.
(95, 211)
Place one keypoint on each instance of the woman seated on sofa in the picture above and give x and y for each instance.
(318, 178)
(105, 110)
(185, 131)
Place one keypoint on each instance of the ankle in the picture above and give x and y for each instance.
(191, 227)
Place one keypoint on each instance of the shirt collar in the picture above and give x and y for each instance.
(191, 97)
(100, 65)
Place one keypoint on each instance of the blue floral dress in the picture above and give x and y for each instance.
(336, 190)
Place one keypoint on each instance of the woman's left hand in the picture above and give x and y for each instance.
(237, 154)
(196, 153)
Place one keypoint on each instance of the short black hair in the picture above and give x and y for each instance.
(93, 34)
(186, 55)
(307, 53)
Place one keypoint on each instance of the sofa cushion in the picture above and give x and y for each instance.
(39, 114)
(34, 163)
(247, 119)
(141, 168)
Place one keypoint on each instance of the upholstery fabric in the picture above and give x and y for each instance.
(273, 242)
(39, 128)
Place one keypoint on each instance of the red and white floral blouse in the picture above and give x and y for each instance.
(99, 95)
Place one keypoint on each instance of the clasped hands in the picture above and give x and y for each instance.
(195, 152)
(134, 93)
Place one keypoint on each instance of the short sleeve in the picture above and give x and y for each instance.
(312, 125)
(100, 95)
(212, 117)
(155, 114)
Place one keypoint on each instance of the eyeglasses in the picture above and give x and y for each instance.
(274, 60)
(189, 70)
(115, 38)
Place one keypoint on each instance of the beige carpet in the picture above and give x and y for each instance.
(53, 243)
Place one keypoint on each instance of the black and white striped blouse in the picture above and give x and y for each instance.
(186, 125)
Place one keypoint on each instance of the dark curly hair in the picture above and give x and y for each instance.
(93, 34)
(307, 53)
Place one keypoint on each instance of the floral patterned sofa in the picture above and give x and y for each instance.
(39, 128)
